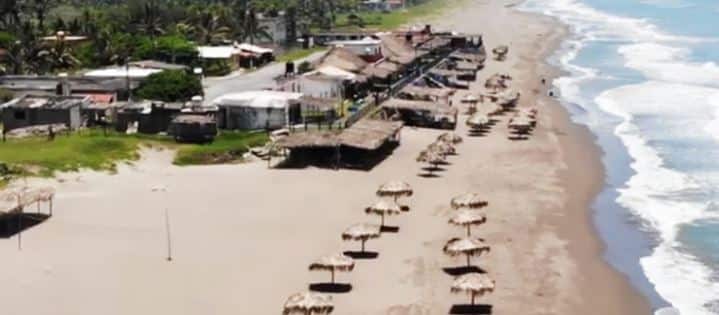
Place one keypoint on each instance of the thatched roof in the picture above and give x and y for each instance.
(361, 232)
(466, 246)
(501, 49)
(470, 98)
(366, 134)
(478, 120)
(430, 156)
(468, 200)
(16, 198)
(395, 188)
(467, 217)
(420, 92)
(384, 207)
(497, 81)
(376, 72)
(337, 262)
(398, 50)
(308, 303)
(342, 58)
(434, 42)
(466, 66)
(441, 147)
(450, 137)
(476, 284)
(312, 139)
(369, 134)
(470, 57)
(437, 108)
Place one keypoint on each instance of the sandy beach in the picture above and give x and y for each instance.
(244, 235)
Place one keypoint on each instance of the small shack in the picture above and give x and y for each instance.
(33, 110)
(149, 117)
(419, 93)
(193, 128)
(421, 113)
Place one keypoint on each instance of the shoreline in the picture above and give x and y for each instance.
(581, 153)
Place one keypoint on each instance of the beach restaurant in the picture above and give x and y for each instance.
(360, 146)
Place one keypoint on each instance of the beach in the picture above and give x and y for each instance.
(244, 235)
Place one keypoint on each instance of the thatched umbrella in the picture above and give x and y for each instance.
(361, 232)
(470, 98)
(450, 137)
(467, 218)
(333, 263)
(395, 189)
(383, 208)
(443, 148)
(308, 303)
(469, 200)
(468, 246)
(431, 157)
(476, 284)
(478, 120)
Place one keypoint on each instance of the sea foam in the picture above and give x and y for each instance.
(675, 89)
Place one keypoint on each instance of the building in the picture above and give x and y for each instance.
(59, 85)
(193, 127)
(368, 48)
(34, 110)
(257, 110)
(149, 117)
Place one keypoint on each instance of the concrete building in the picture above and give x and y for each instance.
(256, 109)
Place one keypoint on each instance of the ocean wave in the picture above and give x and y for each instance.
(676, 89)
(649, 195)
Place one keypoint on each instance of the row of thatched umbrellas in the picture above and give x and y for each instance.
(523, 122)
(437, 152)
(466, 215)
(308, 303)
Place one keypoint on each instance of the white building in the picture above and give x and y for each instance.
(255, 109)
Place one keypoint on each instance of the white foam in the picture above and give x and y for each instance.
(648, 194)
(677, 89)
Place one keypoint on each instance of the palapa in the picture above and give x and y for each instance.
(476, 284)
(443, 148)
(450, 137)
(478, 120)
(467, 218)
(334, 263)
(14, 199)
(431, 157)
(468, 200)
(470, 98)
(395, 189)
(362, 232)
(468, 246)
(384, 208)
(308, 303)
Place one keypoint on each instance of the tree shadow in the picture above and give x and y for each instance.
(467, 309)
(12, 224)
(463, 270)
(361, 255)
(327, 287)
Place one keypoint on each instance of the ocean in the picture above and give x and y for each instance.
(643, 75)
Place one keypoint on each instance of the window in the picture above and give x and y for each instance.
(20, 114)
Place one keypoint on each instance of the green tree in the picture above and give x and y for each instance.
(252, 30)
(170, 86)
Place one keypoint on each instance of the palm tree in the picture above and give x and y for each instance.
(40, 8)
(208, 25)
(147, 19)
(252, 30)
(10, 11)
(58, 57)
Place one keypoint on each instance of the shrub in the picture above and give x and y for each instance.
(170, 86)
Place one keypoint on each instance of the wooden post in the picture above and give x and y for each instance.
(51, 206)
(19, 229)
(169, 240)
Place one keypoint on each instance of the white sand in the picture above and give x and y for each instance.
(243, 235)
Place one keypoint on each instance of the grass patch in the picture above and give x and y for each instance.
(295, 54)
(88, 149)
(228, 147)
(395, 19)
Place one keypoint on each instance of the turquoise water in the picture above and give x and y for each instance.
(644, 78)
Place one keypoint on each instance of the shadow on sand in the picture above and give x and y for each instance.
(469, 309)
(389, 229)
(11, 224)
(458, 271)
(327, 287)
(361, 255)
